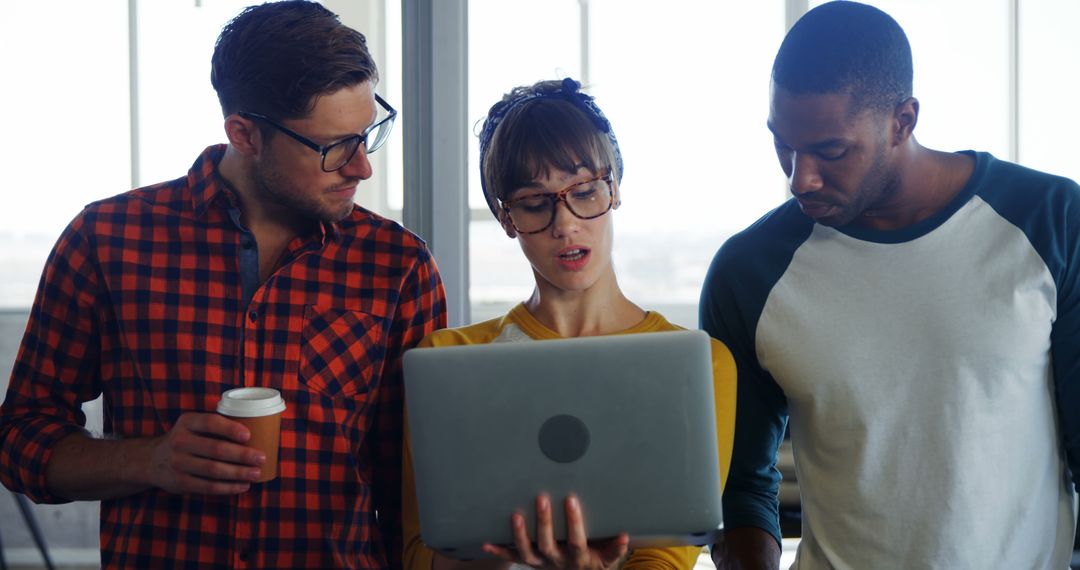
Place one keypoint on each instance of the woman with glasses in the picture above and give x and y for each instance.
(550, 170)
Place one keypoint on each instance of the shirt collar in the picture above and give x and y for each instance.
(207, 185)
(205, 181)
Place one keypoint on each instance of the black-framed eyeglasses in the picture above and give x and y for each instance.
(536, 212)
(338, 153)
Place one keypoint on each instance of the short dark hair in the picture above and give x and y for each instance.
(543, 132)
(847, 47)
(277, 58)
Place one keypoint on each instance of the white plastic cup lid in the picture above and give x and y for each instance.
(251, 402)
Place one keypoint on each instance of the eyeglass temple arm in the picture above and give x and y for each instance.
(295, 136)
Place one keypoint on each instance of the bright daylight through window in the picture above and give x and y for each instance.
(685, 87)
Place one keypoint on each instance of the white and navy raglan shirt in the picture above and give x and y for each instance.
(931, 376)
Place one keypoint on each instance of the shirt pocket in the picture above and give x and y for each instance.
(342, 351)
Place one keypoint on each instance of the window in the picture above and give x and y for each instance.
(686, 90)
(685, 87)
(74, 133)
(1048, 54)
(66, 128)
(177, 110)
(501, 57)
(960, 51)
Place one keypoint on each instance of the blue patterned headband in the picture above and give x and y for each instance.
(568, 90)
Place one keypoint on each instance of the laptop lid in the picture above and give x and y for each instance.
(626, 422)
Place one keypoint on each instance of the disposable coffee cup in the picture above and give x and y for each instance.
(260, 410)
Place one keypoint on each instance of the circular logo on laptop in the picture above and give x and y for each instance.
(564, 438)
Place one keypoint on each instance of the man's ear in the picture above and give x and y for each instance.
(905, 117)
(243, 135)
(616, 198)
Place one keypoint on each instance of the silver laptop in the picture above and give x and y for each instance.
(627, 422)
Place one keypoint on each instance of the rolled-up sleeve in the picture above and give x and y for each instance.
(56, 369)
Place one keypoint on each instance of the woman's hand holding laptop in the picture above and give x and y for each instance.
(576, 552)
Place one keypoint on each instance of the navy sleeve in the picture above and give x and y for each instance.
(1065, 337)
(1047, 209)
(732, 298)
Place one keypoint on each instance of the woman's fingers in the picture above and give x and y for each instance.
(578, 549)
(545, 532)
(502, 552)
(577, 541)
(546, 552)
(522, 553)
(526, 555)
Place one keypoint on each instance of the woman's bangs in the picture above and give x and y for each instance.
(550, 139)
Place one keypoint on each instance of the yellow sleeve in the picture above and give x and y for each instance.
(675, 557)
(724, 392)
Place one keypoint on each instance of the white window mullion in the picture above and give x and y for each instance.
(133, 89)
(1014, 80)
(435, 45)
(793, 10)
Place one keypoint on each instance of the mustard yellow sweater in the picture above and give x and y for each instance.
(520, 325)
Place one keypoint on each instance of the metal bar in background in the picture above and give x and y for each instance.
(3, 563)
(434, 112)
(133, 88)
(586, 35)
(35, 530)
(1014, 81)
(793, 10)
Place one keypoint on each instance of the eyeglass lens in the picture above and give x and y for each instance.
(339, 154)
(586, 200)
(378, 135)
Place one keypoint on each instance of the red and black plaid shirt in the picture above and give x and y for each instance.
(152, 299)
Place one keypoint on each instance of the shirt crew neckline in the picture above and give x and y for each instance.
(538, 331)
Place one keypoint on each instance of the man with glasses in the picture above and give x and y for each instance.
(914, 312)
(255, 269)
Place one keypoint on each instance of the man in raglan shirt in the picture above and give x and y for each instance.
(916, 315)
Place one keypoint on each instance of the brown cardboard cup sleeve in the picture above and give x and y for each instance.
(260, 410)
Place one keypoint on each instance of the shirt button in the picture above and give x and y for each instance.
(253, 315)
(247, 244)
